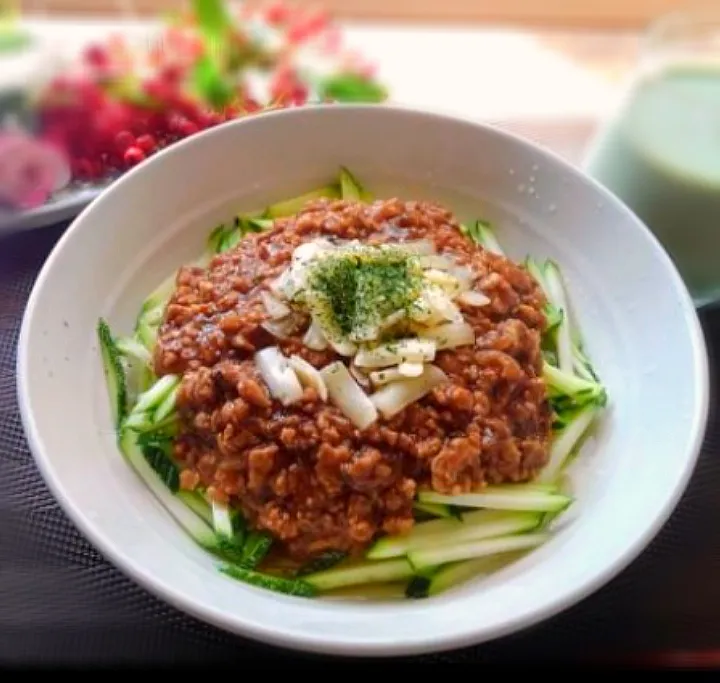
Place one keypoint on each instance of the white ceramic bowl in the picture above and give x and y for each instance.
(641, 330)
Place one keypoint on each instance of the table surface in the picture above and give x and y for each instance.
(61, 602)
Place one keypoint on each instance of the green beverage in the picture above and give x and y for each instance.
(661, 156)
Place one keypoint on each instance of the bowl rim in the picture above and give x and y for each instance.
(407, 645)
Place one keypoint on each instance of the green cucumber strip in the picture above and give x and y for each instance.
(160, 296)
(565, 442)
(199, 531)
(368, 591)
(456, 573)
(489, 498)
(156, 394)
(231, 239)
(475, 526)
(433, 509)
(222, 521)
(568, 384)
(292, 206)
(583, 366)
(324, 561)
(393, 546)
(114, 373)
(418, 587)
(215, 239)
(256, 547)
(486, 237)
(536, 272)
(350, 188)
(260, 224)
(162, 464)
(197, 504)
(553, 318)
(558, 298)
(146, 334)
(366, 572)
(133, 349)
(167, 405)
(296, 587)
(430, 557)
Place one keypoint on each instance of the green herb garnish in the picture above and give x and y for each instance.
(355, 290)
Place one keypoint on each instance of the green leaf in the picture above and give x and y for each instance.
(210, 84)
(350, 87)
(212, 17)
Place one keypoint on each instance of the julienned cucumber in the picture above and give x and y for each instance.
(503, 498)
(193, 524)
(366, 572)
(570, 385)
(223, 521)
(294, 205)
(197, 504)
(114, 373)
(434, 509)
(475, 526)
(298, 587)
(556, 292)
(257, 545)
(566, 441)
(433, 557)
(322, 562)
(458, 572)
(457, 545)
(483, 234)
(350, 188)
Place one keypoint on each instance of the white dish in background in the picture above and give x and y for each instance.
(639, 323)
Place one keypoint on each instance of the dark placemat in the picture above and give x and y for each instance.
(60, 601)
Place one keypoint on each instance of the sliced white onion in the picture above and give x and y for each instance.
(385, 376)
(344, 348)
(345, 393)
(445, 281)
(360, 377)
(285, 328)
(392, 319)
(449, 335)
(314, 338)
(473, 298)
(276, 309)
(392, 353)
(419, 247)
(277, 286)
(465, 275)
(280, 378)
(436, 261)
(365, 334)
(309, 250)
(435, 307)
(411, 369)
(397, 396)
(308, 375)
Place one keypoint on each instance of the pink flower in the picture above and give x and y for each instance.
(30, 170)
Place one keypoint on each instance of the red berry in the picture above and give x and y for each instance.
(97, 56)
(146, 143)
(133, 156)
(277, 13)
(123, 140)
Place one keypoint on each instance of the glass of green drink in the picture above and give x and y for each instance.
(660, 152)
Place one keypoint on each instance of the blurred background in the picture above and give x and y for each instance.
(91, 88)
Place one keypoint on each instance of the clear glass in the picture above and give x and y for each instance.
(660, 152)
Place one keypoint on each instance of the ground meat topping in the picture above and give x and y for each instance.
(303, 472)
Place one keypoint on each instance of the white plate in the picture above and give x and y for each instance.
(65, 206)
(641, 329)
